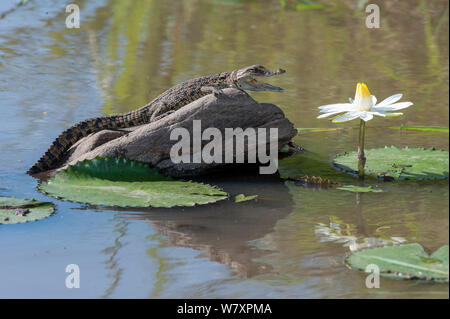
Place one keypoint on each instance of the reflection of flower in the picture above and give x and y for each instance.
(334, 233)
(364, 106)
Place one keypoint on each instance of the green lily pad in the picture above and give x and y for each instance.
(441, 129)
(126, 183)
(15, 210)
(242, 198)
(309, 165)
(400, 164)
(404, 262)
(360, 189)
(314, 130)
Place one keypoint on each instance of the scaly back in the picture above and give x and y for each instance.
(172, 99)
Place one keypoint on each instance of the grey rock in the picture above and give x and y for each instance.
(150, 143)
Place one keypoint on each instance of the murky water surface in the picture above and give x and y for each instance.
(291, 243)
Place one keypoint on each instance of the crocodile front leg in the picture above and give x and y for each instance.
(159, 111)
(157, 118)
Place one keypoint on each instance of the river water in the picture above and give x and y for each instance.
(292, 242)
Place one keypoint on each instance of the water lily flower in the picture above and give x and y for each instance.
(364, 106)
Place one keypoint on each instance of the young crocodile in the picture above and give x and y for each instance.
(169, 101)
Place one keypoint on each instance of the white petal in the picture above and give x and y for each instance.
(342, 107)
(321, 116)
(351, 100)
(378, 113)
(366, 116)
(347, 117)
(390, 100)
(392, 107)
(374, 99)
(387, 114)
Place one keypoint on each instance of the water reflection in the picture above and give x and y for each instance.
(223, 231)
(127, 52)
(163, 45)
(114, 270)
(353, 236)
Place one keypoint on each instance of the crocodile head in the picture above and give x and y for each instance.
(245, 79)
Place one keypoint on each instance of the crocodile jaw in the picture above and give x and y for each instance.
(246, 79)
(251, 84)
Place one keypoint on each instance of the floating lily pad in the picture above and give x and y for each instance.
(360, 189)
(242, 198)
(392, 163)
(314, 130)
(312, 166)
(441, 129)
(15, 210)
(404, 262)
(126, 183)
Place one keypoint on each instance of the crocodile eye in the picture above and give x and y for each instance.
(259, 69)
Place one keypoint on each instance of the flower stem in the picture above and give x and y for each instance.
(361, 156)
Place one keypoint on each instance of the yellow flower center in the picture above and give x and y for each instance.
(363, 99)
(362, 90)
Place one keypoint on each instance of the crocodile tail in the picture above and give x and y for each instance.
(69, 137)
